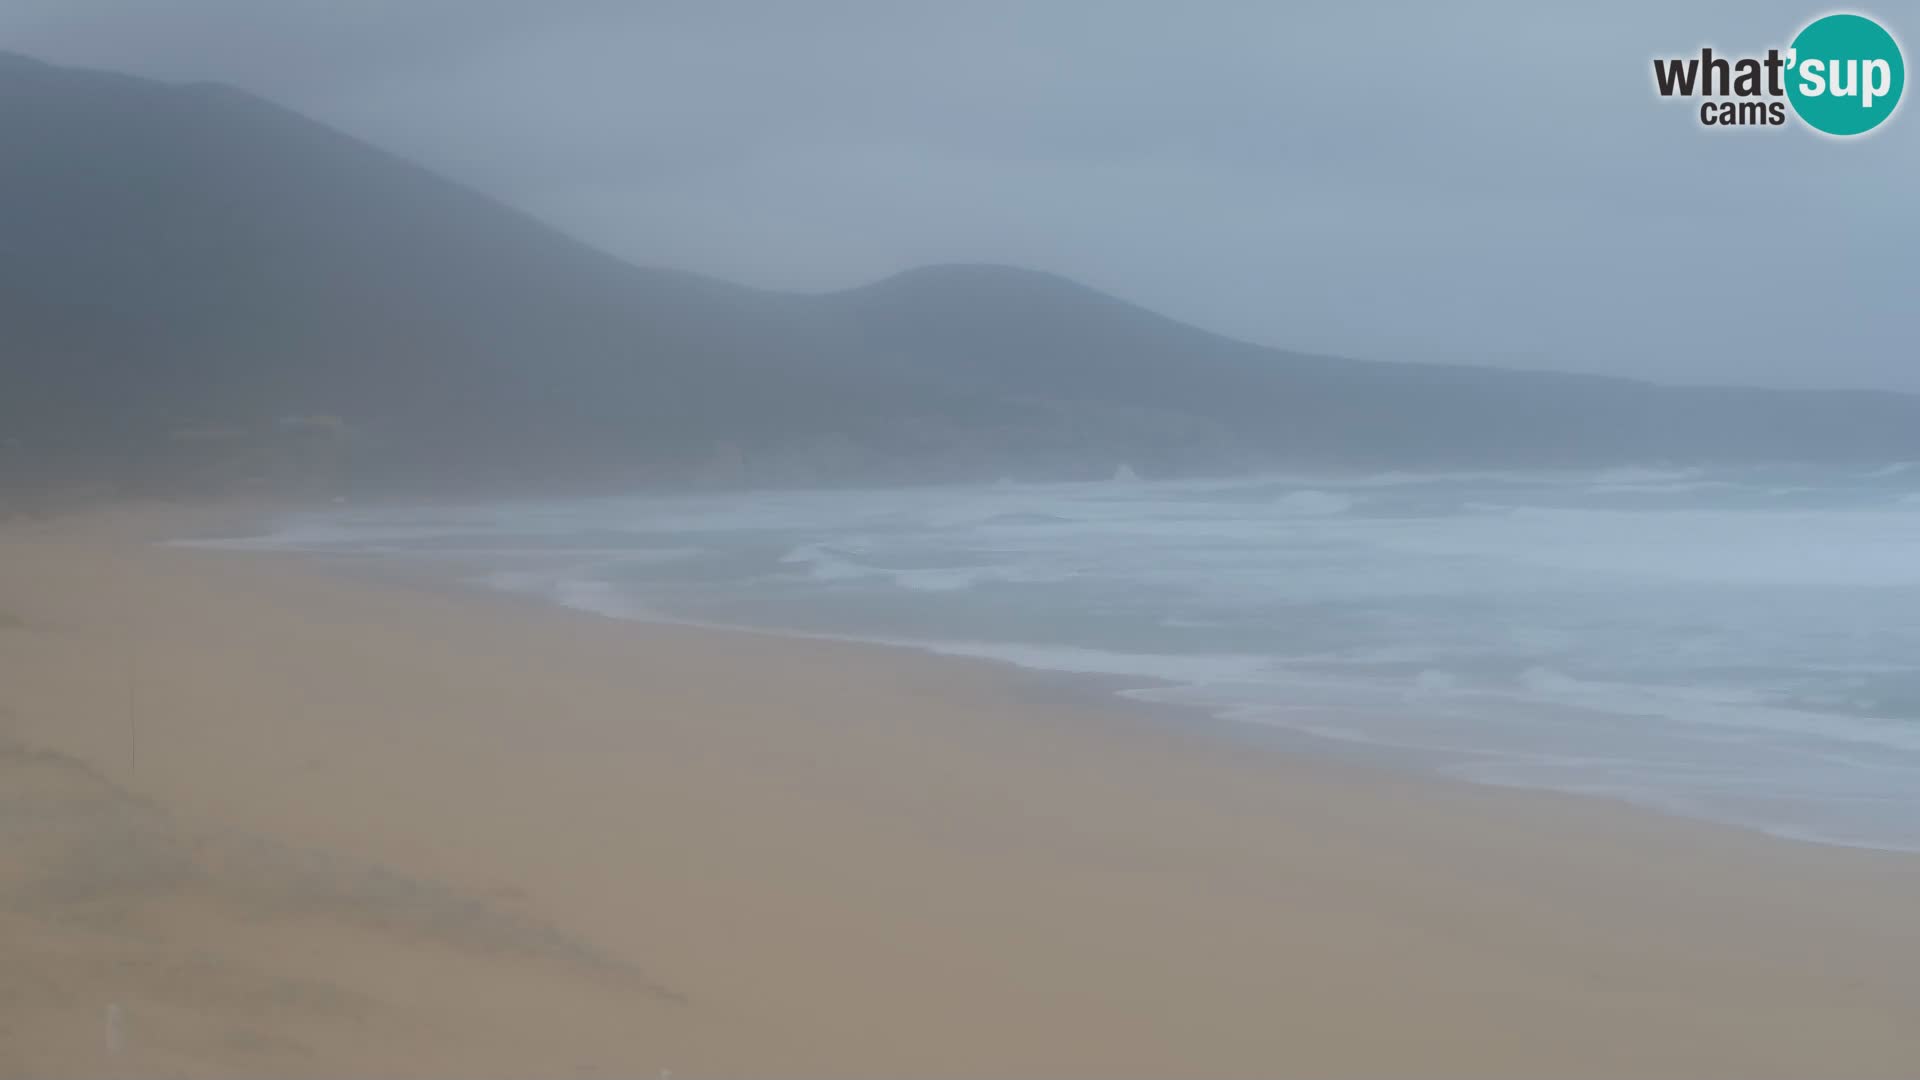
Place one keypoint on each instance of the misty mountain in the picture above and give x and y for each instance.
(191, 277)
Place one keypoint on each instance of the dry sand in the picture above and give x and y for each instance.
(401, 831)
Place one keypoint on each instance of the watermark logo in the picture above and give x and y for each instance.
(1842, 75)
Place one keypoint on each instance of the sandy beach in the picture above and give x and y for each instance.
(259, 817)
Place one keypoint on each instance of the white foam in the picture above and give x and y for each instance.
(1898, 468)
(576, 587)
(1836, 548)
(1187, 669)
(823, 563)
(1313, 503)
(1633, 474)
(960, 578)
(1665, 487)
(826, 563)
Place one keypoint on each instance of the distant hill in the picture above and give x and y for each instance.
(200, 287)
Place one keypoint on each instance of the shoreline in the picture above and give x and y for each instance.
(1097, 690)
(412, 829)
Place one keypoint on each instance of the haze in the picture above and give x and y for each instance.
(1496, 183)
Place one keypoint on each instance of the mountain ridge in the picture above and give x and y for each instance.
(186, 260)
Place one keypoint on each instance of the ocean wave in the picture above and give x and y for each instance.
(1185, 669)
(1312, 502)
(579, 588)
(994, 513)
(1664, 487)
(1636, 474)
(958, 578)
(825, 563)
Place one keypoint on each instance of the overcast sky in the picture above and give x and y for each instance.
(1495, 182)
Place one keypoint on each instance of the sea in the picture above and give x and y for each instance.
(1735, 644)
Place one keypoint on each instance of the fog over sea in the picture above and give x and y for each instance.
(1741, 645)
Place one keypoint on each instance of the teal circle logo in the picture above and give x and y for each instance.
(1845, 74)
